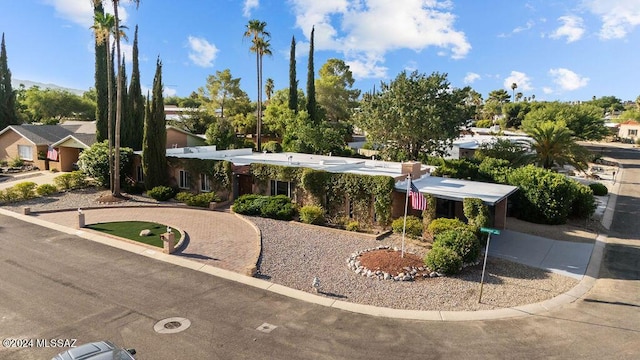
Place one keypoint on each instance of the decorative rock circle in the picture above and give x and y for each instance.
(409, 273)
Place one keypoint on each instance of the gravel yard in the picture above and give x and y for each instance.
(293, 254)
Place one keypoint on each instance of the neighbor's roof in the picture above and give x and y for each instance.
(473, 142)
(456, 189)
(83, 141)
(39, 134)
(80, 127)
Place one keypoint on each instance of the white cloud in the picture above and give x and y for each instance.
(365, 30)
(411, 66)
(167, 92)
(202, 52)
(547, 90)
(572, 28)
(471, 77)
(528, 26)
(567, 79)
(81, 12)
(521, 79)
(248, 6)
(619, 17)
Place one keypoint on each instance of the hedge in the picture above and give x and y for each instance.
(440, 225)
(276, 207)
(599, 189)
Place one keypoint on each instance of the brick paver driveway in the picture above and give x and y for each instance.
(216, 238)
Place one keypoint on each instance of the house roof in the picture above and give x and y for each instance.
(457, 189)
(80, 127)
(445, 188)
(84, 140)
(630, 122)
(39, 134)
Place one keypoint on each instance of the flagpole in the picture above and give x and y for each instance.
(406, 205)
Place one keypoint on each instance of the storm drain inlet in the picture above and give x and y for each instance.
(172, 325)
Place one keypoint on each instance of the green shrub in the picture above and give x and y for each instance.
(272, 147)
(443, 224)
(476, 212)
(443, 260)
(202, 199)
(484, 123)
(414, 226)
(78, 179)
(4, 163)
(352, 226)
(46, 189)
(72, 180)
(161, 193)
(16, 162)
(184, 196)
(312, 214)
(275, 207)
(599, 189)
(94, 162)
(26, 190)
(9, 195)
(584, 204)
(464, 242)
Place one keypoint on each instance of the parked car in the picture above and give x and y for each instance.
(99, 350)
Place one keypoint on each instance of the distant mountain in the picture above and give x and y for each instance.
(15, 84)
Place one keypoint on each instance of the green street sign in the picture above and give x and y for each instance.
(490, 231)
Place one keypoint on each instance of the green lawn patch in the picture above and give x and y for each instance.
(131, 230)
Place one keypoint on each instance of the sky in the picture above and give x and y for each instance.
(565, 50)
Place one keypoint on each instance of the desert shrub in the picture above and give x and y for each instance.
(184, 196)
(9, 195)
(414, 226)
(443, 224)
(486, 123)
(443, 260)
(72, 180)
(161, 193)
(16, 162)
(272, 147)
(352, 226)
(46, 189)
(584, 204)
(275, 207)
(26, 190)
(464, 242)
(599, 189)
(312, 214)
(4, 163)
(202, 199)
(78, 179)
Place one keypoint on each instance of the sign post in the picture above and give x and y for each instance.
(489, 231)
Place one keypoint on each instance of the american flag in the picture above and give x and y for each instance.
(418, 201)
(52, 154)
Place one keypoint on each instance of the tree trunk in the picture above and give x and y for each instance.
(259, 105)
(116, 170)
(110, 114)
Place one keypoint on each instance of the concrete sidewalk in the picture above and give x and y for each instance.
(39, 177)
(562, 257)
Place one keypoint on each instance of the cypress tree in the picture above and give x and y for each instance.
(113, 92)
(102, 91)
(311, 86)
(136, 100)
(8, 114)
(125, 130)
(154, 162)
(293, 82)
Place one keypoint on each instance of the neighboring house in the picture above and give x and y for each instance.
(465, 146)
(629, 129)
(44, 146)
(449, 193)
(178, 138)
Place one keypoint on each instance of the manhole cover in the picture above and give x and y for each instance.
(172, 325)
(266, 328)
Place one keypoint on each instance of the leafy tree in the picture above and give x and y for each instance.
(223, 89)
(630, 114)
(293, 81)
(135, 101)
(515, 113)
(278, 116)
(256, 30)
(554, 144)
(51, 106)
(584, 120)
(312, 108)
(474, 102)
(515, 152)
(154, 162)
(500, 96)
(607, 103)
(334, 90)
(222, 134)
(94, 162)
(193, 120)
(414, 114)
(8, 113)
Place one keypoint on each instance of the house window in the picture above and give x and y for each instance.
(139, 174)
(185, 180)
(205, 185)
(25, 152)
(281, 188)
(633, 132)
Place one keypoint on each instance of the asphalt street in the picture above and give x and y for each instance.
(58, 286)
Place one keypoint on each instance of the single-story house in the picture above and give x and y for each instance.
(465, 146)
(629, 130)
(45, 146)
(178, 138)
(449, 193)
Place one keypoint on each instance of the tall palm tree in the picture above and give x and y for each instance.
(554, 144)
(103, 27)
(256, 31)
(116, 171)
(268, 88)
(514, 86)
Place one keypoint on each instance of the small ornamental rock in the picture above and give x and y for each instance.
(145, 232)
